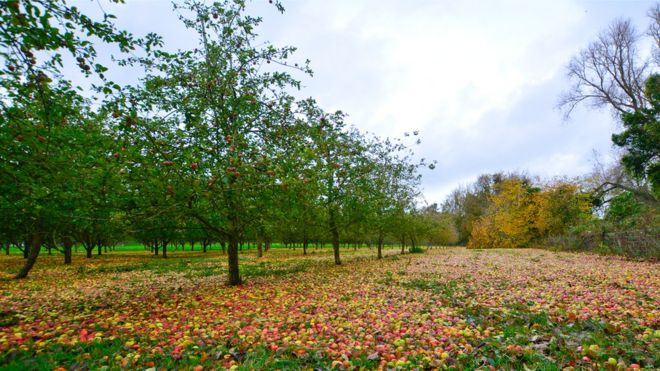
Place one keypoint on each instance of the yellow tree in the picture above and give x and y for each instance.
(519, 214)
(560, 205)
(510, 219)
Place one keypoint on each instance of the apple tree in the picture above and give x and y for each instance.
(211, 120)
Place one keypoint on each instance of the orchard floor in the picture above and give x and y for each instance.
(448, 307)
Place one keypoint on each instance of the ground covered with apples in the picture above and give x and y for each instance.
(447, 307)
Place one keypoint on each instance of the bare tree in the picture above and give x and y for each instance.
(608, 181)
(609, 72)
(654, 32)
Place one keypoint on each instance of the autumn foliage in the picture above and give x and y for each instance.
(520, 214)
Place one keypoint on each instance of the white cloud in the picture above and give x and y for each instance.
(479, 79)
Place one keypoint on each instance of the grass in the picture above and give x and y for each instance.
(137, 247)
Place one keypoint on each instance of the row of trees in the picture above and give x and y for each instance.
(209, 146)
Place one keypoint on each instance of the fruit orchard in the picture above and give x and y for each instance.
(209, 146)
(203, 217)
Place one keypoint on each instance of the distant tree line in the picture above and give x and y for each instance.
(613, 210)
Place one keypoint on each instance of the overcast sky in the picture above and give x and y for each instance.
(478, 79)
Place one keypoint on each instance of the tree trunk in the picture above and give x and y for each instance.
(165, 249)
(32, 256)
(403, 245)
(335, 245)
(334, 231)
(232, 260)
(66, 243)
(223, 246)
(380, 245)
(260, 252)
(305, 243)
(26, 249)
